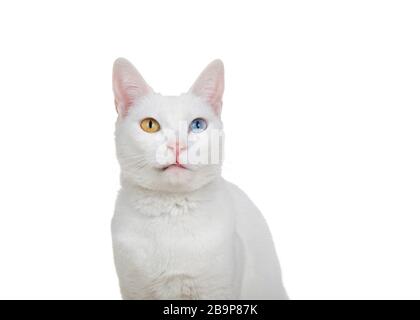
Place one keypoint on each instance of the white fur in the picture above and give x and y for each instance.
(183, 234)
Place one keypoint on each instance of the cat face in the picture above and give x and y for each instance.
(168, 143)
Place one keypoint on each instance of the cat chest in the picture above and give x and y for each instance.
(174, 234)
(186, 237)
(191, 251)
(180, 242)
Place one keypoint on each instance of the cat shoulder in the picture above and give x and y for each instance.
(236, 194)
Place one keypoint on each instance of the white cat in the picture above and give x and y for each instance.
(180, 231)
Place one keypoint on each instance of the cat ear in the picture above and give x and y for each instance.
(210, 85)
(128, 85)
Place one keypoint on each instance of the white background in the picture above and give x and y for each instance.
(322, 113)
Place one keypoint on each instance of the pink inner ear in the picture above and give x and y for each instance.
(128, 85)
(210, 85)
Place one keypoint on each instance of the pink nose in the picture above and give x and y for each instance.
(177, 148)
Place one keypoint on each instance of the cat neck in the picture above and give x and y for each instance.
(159, 203)
(136, 188)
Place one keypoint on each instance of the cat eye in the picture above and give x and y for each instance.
(150, 125)
(198, 125)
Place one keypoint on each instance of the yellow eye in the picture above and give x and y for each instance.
(150, 125)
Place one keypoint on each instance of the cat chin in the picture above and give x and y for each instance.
(172, 179)
(175, 179)
(176, 175)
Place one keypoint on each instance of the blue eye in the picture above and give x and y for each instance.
(198, 125)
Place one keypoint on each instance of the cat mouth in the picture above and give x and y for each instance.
(175, 166)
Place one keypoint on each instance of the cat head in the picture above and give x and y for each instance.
(168, 143)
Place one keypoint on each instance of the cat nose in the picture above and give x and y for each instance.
(178, 147)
